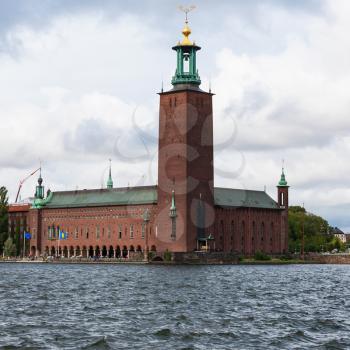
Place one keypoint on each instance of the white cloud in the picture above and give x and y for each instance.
(295, 105)
(69, 90)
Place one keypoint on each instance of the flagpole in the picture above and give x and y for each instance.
(58, 245)
(24, 244)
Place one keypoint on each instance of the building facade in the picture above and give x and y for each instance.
(183, 213)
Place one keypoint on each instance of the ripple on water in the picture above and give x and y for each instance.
(174, 307)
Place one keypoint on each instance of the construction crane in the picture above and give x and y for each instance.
(23, 181)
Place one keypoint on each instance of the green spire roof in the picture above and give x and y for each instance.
(283, 182)
(110, 180)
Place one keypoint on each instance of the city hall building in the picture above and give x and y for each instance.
(184, 212)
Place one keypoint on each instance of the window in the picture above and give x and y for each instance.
(143, 230)
(173, 229)
(108, 232)
(76, 233)
(131, 231)
(186, 63)
(86, 232)
(120, 231)
(97, 232)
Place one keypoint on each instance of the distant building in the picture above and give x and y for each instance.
(347, 236)
(18, 216)
(339, 234)
(183, 213)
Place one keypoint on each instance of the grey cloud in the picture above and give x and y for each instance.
(94, 136)
(336, 215)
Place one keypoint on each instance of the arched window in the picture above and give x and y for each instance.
(222, 229)
(272, 237)
(242, 235)
(255, 240)
(232, 232)
(263, 238)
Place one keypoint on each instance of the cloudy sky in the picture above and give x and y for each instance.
(79, 81)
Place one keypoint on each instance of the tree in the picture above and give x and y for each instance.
(9, 247)
(3, 216)
(315, 231)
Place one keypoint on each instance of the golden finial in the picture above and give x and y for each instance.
(186, 31)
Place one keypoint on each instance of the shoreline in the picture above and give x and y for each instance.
(175, 263)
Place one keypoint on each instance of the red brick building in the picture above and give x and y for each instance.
(183, 213)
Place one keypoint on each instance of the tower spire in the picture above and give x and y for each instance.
(186, 69)
(283, 181)
(110, 180)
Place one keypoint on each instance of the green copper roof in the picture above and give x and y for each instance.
(283, 182)
(92, 198)
(224, 197)
(231, 197)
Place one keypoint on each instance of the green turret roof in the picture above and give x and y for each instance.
(110, 180)
(283, 182)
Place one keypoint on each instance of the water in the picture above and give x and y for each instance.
(174, 307)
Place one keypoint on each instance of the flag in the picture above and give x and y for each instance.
(63, 235)
(27, 235)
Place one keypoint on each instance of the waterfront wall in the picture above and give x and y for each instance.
(329, 259)
(205, 258)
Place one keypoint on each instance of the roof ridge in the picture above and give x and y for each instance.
(238, 189)
(116, 189)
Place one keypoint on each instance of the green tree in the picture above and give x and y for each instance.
(316, 230)
(3, 216)
(9, 247)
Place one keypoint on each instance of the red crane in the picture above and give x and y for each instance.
(24, 180)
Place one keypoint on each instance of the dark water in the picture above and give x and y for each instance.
(176, 307)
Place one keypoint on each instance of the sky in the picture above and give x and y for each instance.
(79, 83)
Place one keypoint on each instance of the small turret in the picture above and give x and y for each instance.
(282, 191)
(39, 190)
(173, 216)
(110, 180)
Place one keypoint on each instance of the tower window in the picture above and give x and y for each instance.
(186, 63)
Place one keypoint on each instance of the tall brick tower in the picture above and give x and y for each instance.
(185, 158)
